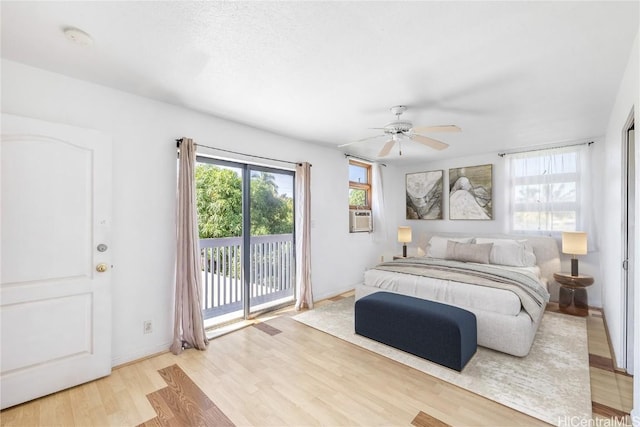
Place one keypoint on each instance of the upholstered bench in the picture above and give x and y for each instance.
(441, 333)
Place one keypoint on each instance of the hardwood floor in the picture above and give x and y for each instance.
(611, 389)
(183, 403)
(281, 372)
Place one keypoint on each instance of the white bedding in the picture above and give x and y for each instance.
(463, 295)
(503, 325)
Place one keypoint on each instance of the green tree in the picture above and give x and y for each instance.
(357, 197)
(270, 213)
(219, 203)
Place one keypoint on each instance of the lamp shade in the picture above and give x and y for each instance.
(574, 242)
(404, 234)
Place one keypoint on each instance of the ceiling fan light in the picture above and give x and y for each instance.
(394, 130)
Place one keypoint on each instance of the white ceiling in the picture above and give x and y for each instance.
(510, 74)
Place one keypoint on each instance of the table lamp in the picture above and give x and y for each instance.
(574, 243)
(404, 237)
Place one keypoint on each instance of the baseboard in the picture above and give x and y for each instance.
(118, 362)
(321, 297)
(611, 350)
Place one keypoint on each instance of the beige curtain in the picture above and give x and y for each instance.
(303, 236)
(188, 328)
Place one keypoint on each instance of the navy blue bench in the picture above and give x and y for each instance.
(441, 333)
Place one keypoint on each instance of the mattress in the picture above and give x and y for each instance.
(463, 295)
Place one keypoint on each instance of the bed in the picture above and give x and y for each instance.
(502, 279)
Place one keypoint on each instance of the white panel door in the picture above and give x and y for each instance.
(55, 306)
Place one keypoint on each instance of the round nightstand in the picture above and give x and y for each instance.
(573, 295)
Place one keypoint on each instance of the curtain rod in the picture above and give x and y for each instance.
(544, 149)
(362, 158)
(179, 141)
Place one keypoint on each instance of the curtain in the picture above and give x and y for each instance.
(551, 192)
(586, 220)
(303, 236)
(379, 223)
(188, 328)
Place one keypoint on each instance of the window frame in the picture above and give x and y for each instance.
(360, 186)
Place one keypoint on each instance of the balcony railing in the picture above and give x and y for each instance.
(271, 272)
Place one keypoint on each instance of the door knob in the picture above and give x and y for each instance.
(101, 268)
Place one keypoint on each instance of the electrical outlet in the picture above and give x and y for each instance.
(147, 327)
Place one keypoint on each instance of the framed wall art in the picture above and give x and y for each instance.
(470, 192)
(424, 192)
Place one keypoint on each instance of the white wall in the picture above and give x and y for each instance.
(498, 225)
(589, 264)
(611, 240)
(144, 171)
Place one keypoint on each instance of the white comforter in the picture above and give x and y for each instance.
(463, 295)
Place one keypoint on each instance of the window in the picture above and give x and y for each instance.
(545, 190)
(359, 185)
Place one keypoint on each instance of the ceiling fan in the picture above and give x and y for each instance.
(399, 129)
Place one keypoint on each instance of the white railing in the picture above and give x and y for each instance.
(271, 272)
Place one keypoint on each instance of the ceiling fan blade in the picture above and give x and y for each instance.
(360, 140)
(387, 148)
(441, 128)
(430, 142)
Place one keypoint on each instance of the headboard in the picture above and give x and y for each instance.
(545, 248)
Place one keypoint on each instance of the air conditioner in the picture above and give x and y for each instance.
(360, 221)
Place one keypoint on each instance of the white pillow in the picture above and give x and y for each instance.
(437, 247)
(529, 256)
(515, 253)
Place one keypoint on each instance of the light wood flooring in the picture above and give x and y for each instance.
(611, 388)
(280, 372)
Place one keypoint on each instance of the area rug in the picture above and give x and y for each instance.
(551, 383)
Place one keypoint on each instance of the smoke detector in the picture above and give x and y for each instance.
(78, 36)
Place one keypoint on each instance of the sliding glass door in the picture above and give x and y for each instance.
(219, 205)
(245, 220)
(271, 256)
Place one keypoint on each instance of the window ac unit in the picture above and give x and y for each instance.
(360, 221)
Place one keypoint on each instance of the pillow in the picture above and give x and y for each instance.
(510, 252)
(469, 252)
(437, 247)
(529, 256)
